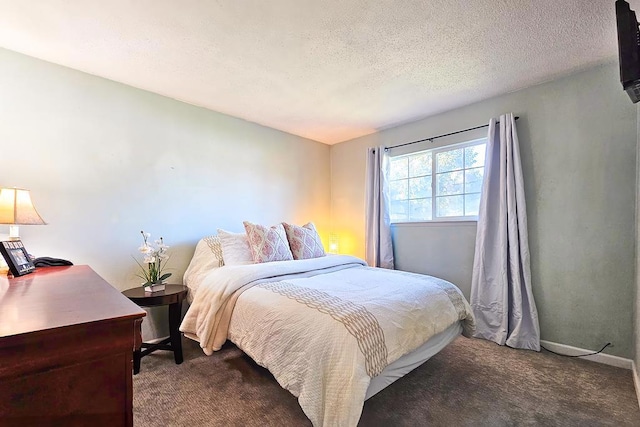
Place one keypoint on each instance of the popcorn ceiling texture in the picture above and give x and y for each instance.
(328, 70)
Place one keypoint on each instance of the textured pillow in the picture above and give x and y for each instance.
(268, 243)
(215, 250)
(304, 241)
(235, 248)
(207, 256)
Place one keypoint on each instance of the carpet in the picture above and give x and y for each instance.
(472, 382)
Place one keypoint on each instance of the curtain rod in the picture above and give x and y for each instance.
(441, 136)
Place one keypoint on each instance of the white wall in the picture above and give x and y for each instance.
(578, 145)
(104, 161)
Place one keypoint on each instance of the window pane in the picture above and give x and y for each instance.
(398, 168)
(420, 187)
(471, 204)
(420, 164)
(459, 174)
(449, 160)
(399, 211)
(474, 156)
(450, 206)
(420, 209)
(449, 183)
(473, 180)
(399, 190)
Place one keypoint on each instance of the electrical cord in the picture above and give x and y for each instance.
(579, 355)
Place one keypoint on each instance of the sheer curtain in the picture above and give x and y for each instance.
(501, 295)
(378, 246)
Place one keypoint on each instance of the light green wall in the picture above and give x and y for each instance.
(104, 161)
(578, 146)
(449, 254)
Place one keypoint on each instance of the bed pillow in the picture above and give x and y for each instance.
(304, 241)
(235, 248)
(268, 243)
(214, 252)
(207, 256)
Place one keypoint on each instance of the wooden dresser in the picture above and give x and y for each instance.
(66, 349)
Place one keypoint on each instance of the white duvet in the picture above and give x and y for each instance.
(324, 326)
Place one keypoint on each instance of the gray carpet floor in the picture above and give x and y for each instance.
(470, 383)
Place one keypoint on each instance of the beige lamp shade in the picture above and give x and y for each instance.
(16, 208)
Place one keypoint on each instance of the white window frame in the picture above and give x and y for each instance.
(434, 152)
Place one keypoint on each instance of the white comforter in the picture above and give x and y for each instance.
(324, 326)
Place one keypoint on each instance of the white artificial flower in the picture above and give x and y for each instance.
(145, 249)
(154, 258)
(161, 245)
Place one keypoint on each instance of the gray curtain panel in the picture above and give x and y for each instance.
(501, 295)
(378, 246)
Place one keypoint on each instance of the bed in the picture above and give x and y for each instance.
(332, 330)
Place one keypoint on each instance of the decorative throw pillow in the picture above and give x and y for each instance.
(235, 248)
(268, 243)
(304, 241)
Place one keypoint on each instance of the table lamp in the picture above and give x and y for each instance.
(334, 243)
(17, 209)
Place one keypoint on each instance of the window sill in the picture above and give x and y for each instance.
(440, 223)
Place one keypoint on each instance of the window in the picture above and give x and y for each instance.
(439, 184)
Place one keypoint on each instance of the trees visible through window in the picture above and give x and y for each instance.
(439, 184)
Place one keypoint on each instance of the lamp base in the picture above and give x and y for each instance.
(14, 232)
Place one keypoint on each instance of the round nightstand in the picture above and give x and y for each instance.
(173, 295)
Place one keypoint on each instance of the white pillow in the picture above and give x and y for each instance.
(207, 256)
(235, 248)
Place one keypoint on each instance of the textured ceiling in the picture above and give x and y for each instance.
(326, 70)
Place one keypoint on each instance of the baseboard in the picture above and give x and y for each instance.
(607, 359)
(636, 381)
